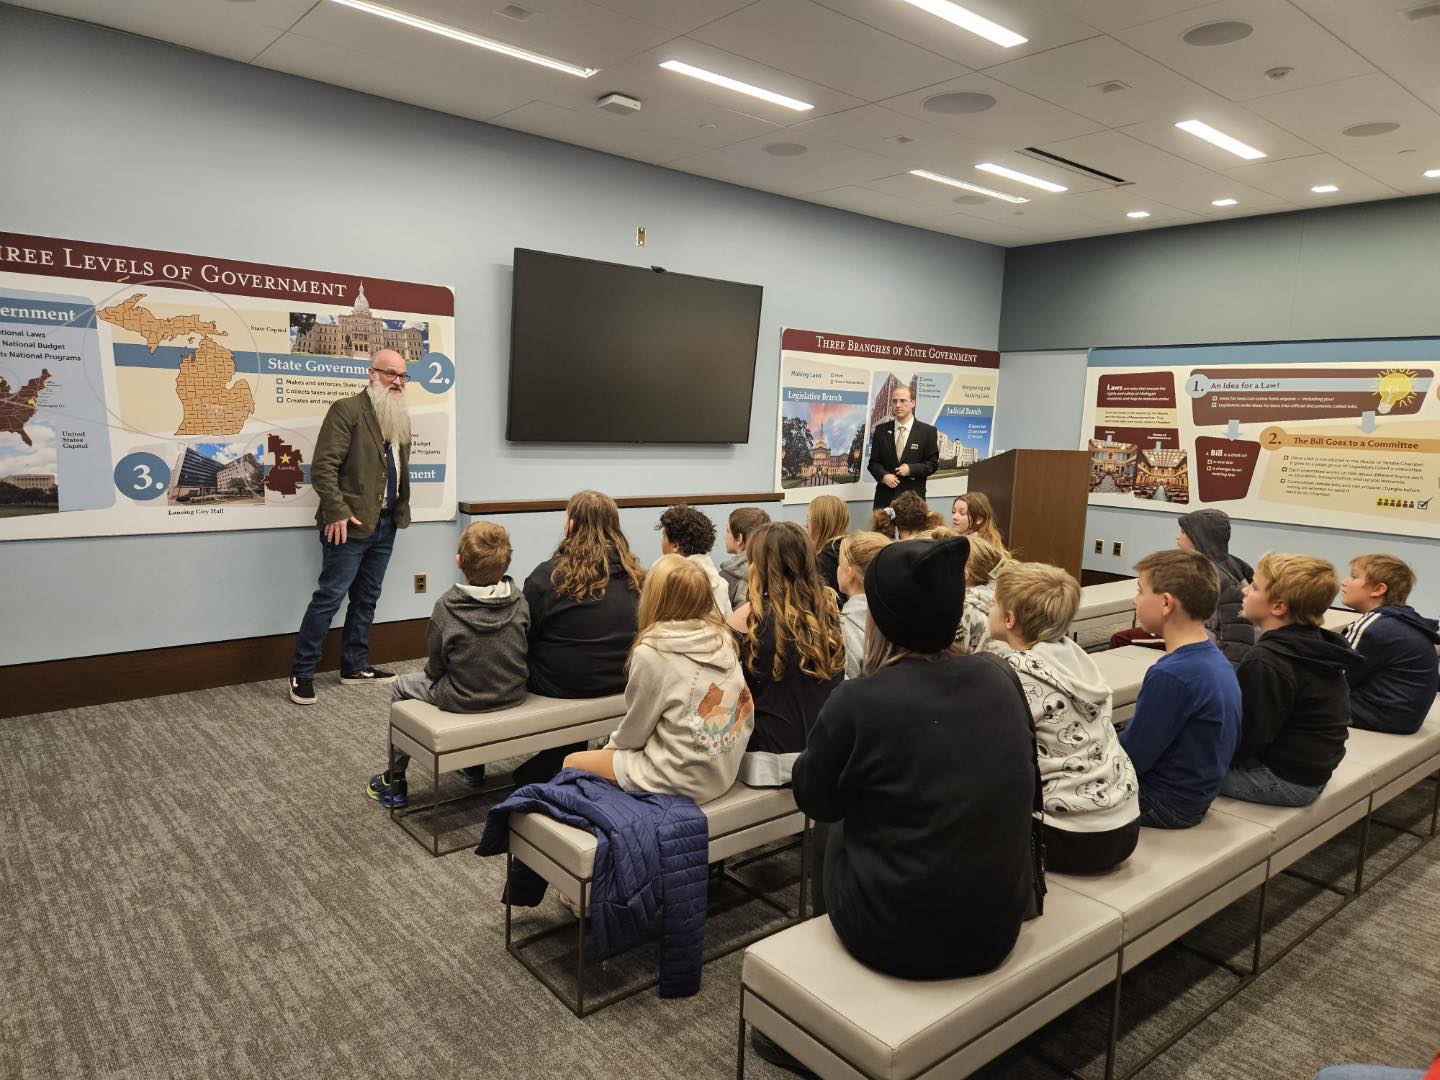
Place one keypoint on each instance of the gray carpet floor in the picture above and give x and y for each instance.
(197, 886)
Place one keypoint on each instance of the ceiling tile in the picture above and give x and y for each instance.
(571, 30)
(1319, 114)
(1113, 204)
(342, 67)
(823, 166)
(1233, 120)
(1282, 37)
(987, 232)
(1405, 49)
(876, 128)
(1293, 178)
(1112, 15)
(553, 122)
(1197, 192)
(235, 31)
(681, 16)
(1072, 77)
(1118, 154)
(1036, 20)
(1045, 211)
(812, 41)
(1016, 119)
(877, 204)
(1401, 166)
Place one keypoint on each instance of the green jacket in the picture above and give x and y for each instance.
(348, 470)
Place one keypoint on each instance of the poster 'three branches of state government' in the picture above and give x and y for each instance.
(150, 391)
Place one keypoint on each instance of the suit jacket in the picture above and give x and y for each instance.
(922, 454)
(348, 472)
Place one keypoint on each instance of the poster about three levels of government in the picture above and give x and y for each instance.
(1336, 434)
(151, 391)
(835, 389)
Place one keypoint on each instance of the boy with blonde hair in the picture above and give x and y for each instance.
(1295, 705)
(1092, 811)
(1187, 715)
(477, 639)
(1394, 685)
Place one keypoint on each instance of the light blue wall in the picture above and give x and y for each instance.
(113, 138)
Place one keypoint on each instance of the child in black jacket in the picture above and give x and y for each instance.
(1294, 701)
(1394, 685)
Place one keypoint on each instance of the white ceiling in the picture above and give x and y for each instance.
(870, 66)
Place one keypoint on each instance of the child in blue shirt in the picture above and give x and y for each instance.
(1187, 717)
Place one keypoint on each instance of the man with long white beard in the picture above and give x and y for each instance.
(361, 474)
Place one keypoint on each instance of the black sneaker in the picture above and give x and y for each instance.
(302, 691)
(388, 792)
(474, 776)
(367, 675)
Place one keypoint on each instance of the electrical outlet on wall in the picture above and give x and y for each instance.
(1099, 547)
(1117, 549)
(419, 583)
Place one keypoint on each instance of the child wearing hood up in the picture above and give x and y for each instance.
(1090, 791)
(1208, 532)
(688, 715)
(1394, 686)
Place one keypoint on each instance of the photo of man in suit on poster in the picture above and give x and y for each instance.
(903, 450)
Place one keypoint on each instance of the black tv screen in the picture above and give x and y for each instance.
(606, 353)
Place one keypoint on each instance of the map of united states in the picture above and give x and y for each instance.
(210, 404)
(16, 409)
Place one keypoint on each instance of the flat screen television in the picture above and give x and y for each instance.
(601, 352)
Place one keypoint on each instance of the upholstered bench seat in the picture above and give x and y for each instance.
(1124, 669)
(1176, 879)
(1104, 609)
(1399, 762)
(1299, 830)
(802, 989)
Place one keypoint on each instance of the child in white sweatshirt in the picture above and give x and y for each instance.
(688, 714)
(1091, 795)
(856, 551)
(984, 563)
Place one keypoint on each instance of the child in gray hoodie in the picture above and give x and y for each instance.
(735, 570)
(1090, 792)
(984, 563)
(477, 636)
(688, 715)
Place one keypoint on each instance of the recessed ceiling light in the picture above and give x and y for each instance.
(958, 104)
(1432, 174)
(1378, 127)
(1277, 73)
(1324, 189)
(1225, 202)
(968, 20)
(1202, 130)
(925, 174)
(736, 85)
(787, 149)
(455, 34)
(1218, 33)
(1137, 213)
(1024, 178)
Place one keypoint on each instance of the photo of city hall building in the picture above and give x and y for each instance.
(358, 334)
(199, 478)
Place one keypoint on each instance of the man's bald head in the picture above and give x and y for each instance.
(387, 369)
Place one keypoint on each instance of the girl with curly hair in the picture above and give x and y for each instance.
(791, 646)
(905, 518)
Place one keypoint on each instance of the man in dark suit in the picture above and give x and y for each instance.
(903, 451)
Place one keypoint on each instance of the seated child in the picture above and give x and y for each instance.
(1092, 809)
(1187, 716)
(686, 531)
(792, 649)
(972, 516)
(827, 521)
(736, 571)
(905, 518)
(688, 714)
(980, 569)
(476, 636)
(856, 552)
(1394, 685)
(1295, 708)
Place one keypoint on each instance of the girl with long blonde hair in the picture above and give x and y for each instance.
(688, 714)
(856, 552)
(791, 646)
(972, 516)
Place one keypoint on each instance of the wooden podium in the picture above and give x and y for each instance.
(1040, 498)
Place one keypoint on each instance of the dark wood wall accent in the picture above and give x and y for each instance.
(1039, 498)
(100, 680)
(536, 506)
(1102, 577)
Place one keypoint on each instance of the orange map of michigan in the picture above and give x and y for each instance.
(209, 404)
(16, 409)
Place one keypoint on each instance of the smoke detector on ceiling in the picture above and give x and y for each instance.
(1278, 73)
(620, 104)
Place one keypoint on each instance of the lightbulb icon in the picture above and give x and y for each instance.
(1394, 388)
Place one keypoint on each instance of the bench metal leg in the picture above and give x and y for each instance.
(1114, 1040)
(740, 1045)
(1423, 837)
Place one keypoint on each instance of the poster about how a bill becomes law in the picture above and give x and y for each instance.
(835, 389)
(148, 391)
(1341, 434)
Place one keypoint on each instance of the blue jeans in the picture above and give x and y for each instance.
(356, 567)
(1257, 784)
(1159, 815)
(1368, 1072)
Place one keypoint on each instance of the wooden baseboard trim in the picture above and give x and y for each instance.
(100, 680)
(538, 506)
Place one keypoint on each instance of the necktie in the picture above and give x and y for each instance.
(900, 435)
(391, 480)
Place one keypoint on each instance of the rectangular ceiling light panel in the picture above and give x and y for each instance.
(968, 20)
(1020, 177)
(736, 85)
(1204, 131)
(925, 174)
